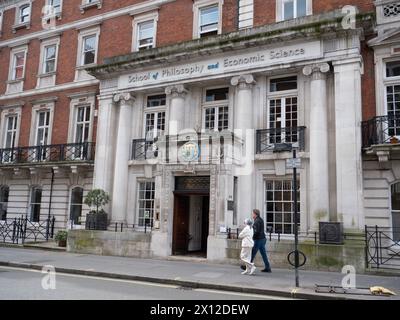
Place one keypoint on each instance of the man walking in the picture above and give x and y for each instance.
(259, 240)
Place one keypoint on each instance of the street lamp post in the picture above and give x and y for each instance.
(296, 231)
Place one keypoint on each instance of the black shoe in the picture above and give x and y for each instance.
(243, 267)
(266, 270)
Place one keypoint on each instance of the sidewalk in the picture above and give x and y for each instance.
(193, 274)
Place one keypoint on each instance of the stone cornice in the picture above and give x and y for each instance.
(306, 28)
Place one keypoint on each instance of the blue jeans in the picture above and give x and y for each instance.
(260, 245)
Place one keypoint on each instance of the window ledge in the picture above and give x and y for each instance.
(15, 81)
(23, 25)
(87, 6)
(56, 15)
(91, 65)
(48, 74)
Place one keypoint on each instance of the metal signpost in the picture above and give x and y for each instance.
(294, 164)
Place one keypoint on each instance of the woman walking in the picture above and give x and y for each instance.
(247, 245)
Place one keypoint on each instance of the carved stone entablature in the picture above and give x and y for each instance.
(317, 71)
(245, 81)
(176, 91)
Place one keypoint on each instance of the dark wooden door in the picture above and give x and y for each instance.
(180, 238)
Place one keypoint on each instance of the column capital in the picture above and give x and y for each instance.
(245, 81)
(124, 97)
(317, 71)
(176, 91)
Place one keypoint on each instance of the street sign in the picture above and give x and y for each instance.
(293, 163)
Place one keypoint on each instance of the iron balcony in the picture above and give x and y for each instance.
(280, 139)
(71, 152)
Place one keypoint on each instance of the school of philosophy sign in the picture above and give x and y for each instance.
(222, 65)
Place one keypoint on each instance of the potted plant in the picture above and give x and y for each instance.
(97, 218)
(61, 238)
(394, 140)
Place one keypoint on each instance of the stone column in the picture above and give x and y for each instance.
(348, 110)
(176, 108)
(318, 130)
(120, 189)
(105, 141)
(243, 127)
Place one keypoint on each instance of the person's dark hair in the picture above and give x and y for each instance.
(256, 212)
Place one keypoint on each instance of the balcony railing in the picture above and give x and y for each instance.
(50, 153)
(143, 149)
(380, 130)
(278, 139)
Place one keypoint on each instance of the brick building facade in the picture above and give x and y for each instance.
(91, 92)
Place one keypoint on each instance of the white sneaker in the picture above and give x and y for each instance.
(244, 272)
(253, 269)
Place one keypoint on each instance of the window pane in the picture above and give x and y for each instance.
(301, 8)
(209, 15)
(283, 84)
(156, 100)
(393, 69)
(24, 13)
(217, 94)
(288, 10)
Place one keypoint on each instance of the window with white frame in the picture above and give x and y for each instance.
(207, 20)
(392, 88)
(283, 110)
(89, 48)
(18, 65)
(154, 123)
(42, 128)
(1, 21)
(49, 58)
(35, 204)
(291, 9)
(279, 205)
(216, 110)
(24, 13)
(146, 193)
(82, 124)
(75, 206)
(4, 195)
(9, 138)
(145, 35)
(55, 5)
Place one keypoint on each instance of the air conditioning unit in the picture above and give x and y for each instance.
(331, 233)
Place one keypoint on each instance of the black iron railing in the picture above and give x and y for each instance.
(382, 246)
(143, 149)
(380, 130)
(48, 153)
(277, 139)
(20, 230)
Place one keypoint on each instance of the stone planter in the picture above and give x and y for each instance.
(96, 221)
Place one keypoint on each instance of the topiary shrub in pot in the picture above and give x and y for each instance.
(97, 218)
(61, 238)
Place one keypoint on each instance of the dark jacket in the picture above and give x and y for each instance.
(258, 227)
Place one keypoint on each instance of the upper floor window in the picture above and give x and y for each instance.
(49, 63)
(89, 50)
(154, 122)
(291, 9)
(1, 22)
(55, 6)
(216, 110)
(393, 69)
(18, 65)
(207, 19)
(283, 110)
(10, 133)
(145, 36)
(24, 13)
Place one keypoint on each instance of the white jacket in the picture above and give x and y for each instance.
(247, 237)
